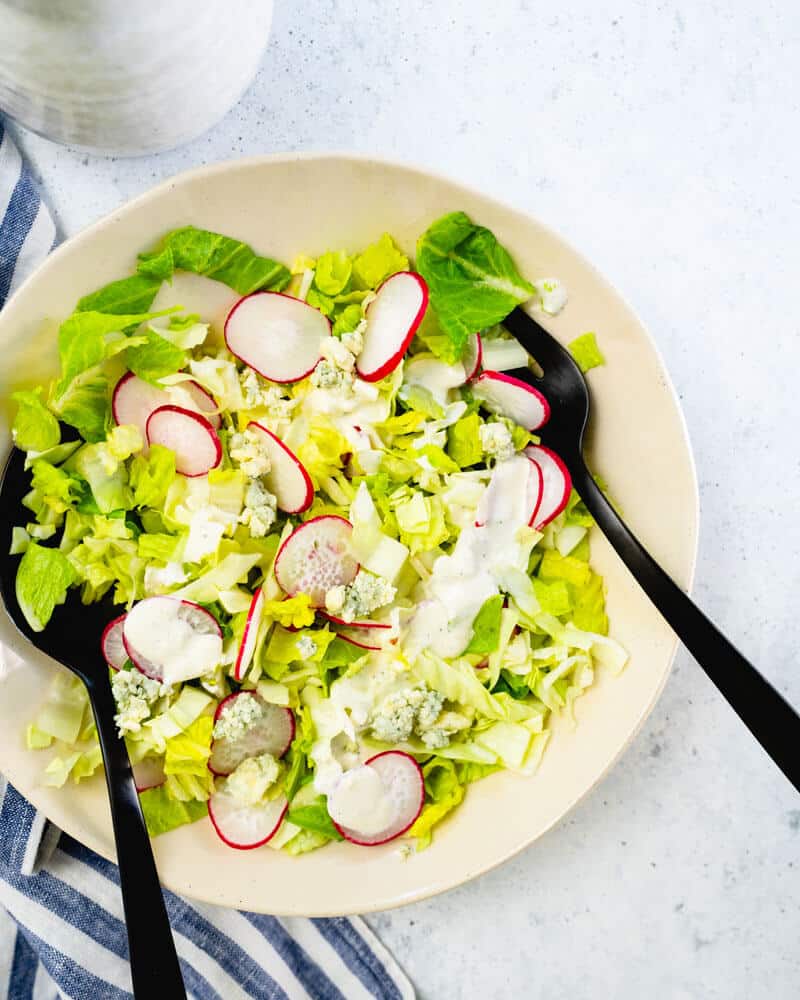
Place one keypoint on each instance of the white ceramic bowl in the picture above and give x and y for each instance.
(285, 205)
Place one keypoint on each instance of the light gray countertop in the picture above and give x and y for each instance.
(662, 140)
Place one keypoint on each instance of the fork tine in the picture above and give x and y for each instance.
(541, 345)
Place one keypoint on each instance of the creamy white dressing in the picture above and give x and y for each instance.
(360, 802)
(462, 581)
(158, 633)
(436, 376)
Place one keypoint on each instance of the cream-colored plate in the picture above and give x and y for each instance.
(283, 206)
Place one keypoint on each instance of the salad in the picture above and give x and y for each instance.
(349, 579)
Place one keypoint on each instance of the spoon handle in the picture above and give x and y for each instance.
(768, 716)
(155, 969)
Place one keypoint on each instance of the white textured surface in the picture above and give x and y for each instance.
(661, 139)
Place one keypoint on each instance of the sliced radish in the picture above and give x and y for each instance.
(171, 640)
(245, 826)
(378, 800)
(538, 490)
(287, 477)
(190, 435)
(503, 355)
(315, 557)
(203, 401)
(363, 624)
(134, 400)
(513, 495)
(434, 375)
(249, 637)
(277, 335)
(271, 733)
(364, 638)
(472, 358)
(392, 320)
(149, 773)
(511, 397)
(557, 484)
(112, 644)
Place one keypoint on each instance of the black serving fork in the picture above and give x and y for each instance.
(72, 637)
(770, 718)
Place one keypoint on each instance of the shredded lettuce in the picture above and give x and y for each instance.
(586, 352)
(43, 578)
(34, 428)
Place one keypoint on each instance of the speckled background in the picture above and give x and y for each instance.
(661, 139)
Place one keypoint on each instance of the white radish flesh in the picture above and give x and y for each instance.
(190, 435)
(247, 646)
(149, 773)
(112, 644)
(277, 335)
(360, 624)
(242, 826)
(472, 359)
(316, 557)
(372, 808)
(272, 732)
(513, 495)
(171, 640)
(287, 477)
(504, 355)
(134, 400)
(201, 401)
(511, 397)
(557, 484)
(365, 638)
(392, 320)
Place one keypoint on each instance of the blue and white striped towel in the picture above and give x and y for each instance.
(64, 933)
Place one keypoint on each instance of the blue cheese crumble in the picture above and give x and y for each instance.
(496, 440)
(253, 778)
(247, 449)
(260, 509)
(135, 695)
(359, 599)
(405, 713)
(238, 716)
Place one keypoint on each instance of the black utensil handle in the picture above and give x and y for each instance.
(155, 969)
(770, 718)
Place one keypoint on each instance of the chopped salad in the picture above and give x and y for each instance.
(350, 580)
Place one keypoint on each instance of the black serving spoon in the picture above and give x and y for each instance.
(73, 638)
(771, 719)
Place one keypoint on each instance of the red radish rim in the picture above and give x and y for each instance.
(491, 376)
(376, 843)
(245, 847)
(112, 624)
(254, 694)
(392, 363)
(478, 358)
(214, 418)
(564, 471)
(540, 482)
(256, 604)
(362, 624)
(309, 498)
(120, 383)
(204, 422)
(285, 542)
(355, 642)
(166, 597)
(270, 378)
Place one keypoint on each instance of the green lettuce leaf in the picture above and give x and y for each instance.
(34, 428)
(472, 280)
(378, 262)
(314, 817)
(151, 475)
(86, 404)
(464, 441)
(128, 295)
(43, 577)
(155, 358)
(333, 272)
(486, 627)
(215, 256)
(162, 813)
(443, 792)
(586, 352)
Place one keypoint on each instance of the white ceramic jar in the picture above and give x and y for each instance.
(127, 76)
